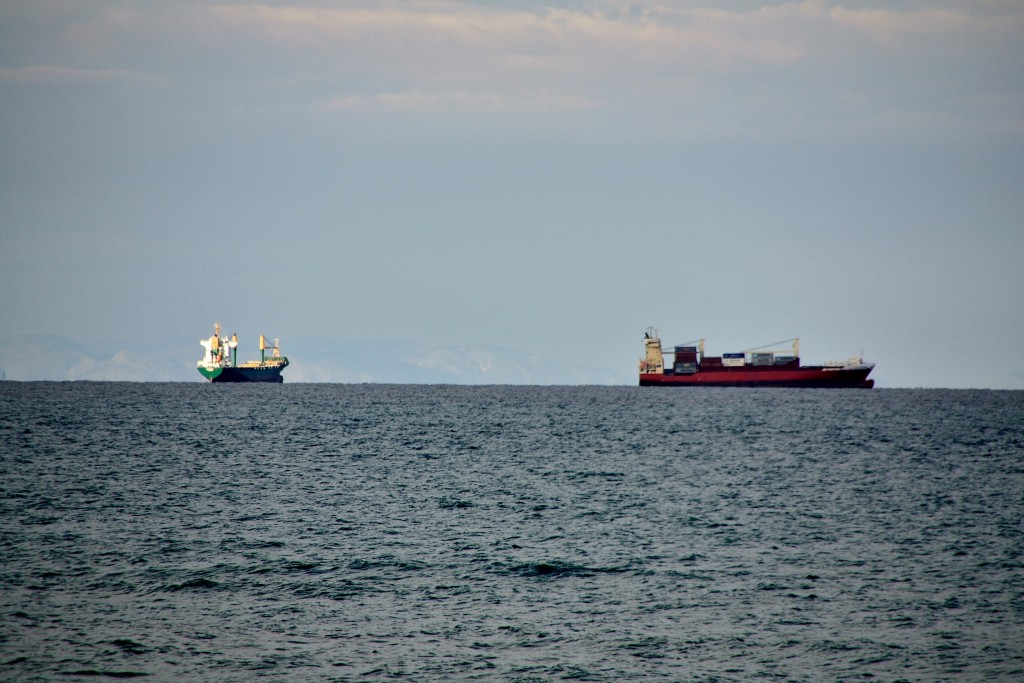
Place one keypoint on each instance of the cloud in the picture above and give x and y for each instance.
(122, 367)
(545, 40)
(69, 75)
(665, 68)
(893, 28)
(461, 101)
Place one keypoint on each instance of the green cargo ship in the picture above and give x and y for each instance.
(219, 362)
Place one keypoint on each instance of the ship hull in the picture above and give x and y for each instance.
(272, 375)
(804, 377)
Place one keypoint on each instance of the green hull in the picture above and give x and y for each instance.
(211, 373)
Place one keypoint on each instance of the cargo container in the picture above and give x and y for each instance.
(734, 360)
(684, 368)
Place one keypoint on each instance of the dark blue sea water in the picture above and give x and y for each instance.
(198, 532)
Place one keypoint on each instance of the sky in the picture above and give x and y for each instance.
(545, 177)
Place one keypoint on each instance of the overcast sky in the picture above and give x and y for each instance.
(546, 177)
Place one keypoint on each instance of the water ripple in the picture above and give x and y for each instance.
(359, 533)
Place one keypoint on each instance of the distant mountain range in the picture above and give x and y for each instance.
(54, 358)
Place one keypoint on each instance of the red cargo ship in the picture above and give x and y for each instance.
(752, 368)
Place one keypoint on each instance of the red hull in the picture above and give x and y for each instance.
(747, 376)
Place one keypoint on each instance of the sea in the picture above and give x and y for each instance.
(332, 532)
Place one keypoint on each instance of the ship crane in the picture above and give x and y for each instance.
(794, 342)
(264, 347)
